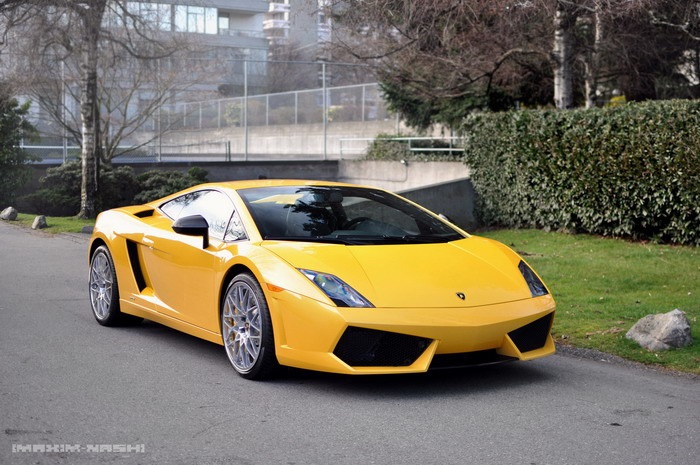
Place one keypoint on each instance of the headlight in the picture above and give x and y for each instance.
(336, 289)
(537, 287)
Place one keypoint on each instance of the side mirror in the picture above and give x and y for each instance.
(194, 225)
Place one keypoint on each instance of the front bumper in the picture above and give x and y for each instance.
(316, 336)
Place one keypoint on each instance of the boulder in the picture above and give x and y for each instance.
(10, 213)
(40, 222)
(662, 331)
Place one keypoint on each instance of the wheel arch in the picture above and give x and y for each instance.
(98, 241)
(231, 273)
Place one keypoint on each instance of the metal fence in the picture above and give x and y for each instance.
(353, 103)
(221, 150)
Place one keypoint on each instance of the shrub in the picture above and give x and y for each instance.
(630, 171)
(385, 147)
(13, 128)
(59, 193)
(156, 184)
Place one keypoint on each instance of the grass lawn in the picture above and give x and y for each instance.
(603, 286)
(56, 224)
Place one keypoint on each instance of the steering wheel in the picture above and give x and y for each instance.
(355, 221)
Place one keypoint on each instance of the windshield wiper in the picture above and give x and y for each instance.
(417, 239)
(320, 239)
(357, 239)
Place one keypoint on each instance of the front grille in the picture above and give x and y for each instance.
(467, 359)
(361, 347)
(533, 335)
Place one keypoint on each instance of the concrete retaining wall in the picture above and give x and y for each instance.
(265, 142)
(454, 199)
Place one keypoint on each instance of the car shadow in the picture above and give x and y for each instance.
(457, 381)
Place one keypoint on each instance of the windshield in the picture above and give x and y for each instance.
(337, 214)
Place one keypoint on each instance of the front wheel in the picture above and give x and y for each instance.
(104, 292)
(246, 329)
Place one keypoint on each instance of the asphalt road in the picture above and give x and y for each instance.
(74, 392)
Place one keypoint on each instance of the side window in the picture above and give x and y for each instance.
(173, 208)
(214, 206)
(235, 231)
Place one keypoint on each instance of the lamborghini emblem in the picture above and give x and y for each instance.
(461, 295)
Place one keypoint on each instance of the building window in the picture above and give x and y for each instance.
(196, 19)
(211, 25)
(224, 23)
(156, 14)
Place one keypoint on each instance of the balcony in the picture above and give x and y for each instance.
(275, 24)
(241, 33)
(278, 8)
(236, 38)
(245, 7)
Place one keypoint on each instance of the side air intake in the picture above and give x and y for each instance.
(132, 249)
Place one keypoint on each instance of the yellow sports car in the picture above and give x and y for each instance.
(317, 275)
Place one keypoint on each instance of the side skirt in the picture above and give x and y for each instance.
(134, 309)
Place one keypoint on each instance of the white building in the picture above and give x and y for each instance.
(227, 32)
(304, 25)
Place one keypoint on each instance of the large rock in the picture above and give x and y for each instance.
(40, 222)
(662, 331)
(10, 213)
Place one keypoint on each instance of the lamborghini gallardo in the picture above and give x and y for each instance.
(320, 276)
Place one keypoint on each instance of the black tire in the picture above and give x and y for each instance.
(104, 291)
(246, 329)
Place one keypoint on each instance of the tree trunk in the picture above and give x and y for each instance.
(89, 109)
(593, 59)
(562, 57)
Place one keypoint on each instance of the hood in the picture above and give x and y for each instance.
(417, 275)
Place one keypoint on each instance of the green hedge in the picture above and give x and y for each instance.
(630, 171)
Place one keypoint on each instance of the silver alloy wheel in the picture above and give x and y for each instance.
(101, 285)
(242, 326)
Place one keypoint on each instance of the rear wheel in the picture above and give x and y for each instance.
(104, 292)
(246, 329)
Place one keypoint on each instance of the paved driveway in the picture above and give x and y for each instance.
(72, 391)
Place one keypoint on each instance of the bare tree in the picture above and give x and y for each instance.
(79, 36)
(680, 21)
(682, 16)
(131, 94)
(290, 68)
(563, 54)
(439, 48)
(448, 49)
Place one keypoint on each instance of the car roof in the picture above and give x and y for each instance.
(236, 185)
(249, 184)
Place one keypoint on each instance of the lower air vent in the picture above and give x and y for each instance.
(468, 359)
(533, 335)
(362, 347)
